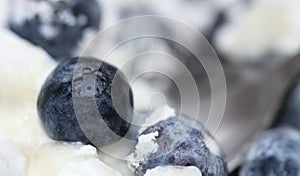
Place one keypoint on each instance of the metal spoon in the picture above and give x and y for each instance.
(252, 107)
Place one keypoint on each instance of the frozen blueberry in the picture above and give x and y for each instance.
(176, 141)
(276, 153)
(86, 100)
(57, 26)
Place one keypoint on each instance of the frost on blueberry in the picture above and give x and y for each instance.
(176, 141)
(56, 25)
(77, 96)
(274, 154)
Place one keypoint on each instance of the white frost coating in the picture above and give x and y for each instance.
(174, 171)
(161, 113)
(91, 167)
(269, 26)
(27, 9)
(67, 17)
(12, 160)
(22, 10)
(48, 31)
(146, 146)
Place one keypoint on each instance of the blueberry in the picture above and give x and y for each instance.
(180, 142)
(56, 26)
(77, 104)
(276, 153)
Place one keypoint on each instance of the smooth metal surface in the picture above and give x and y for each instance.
(252, 105)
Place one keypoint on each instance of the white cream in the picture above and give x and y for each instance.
(267, 26)
(23, 69)
(68, 160)
(90, 167)
(174, 171)
(3, 12)
(12, 161)
(21, 124)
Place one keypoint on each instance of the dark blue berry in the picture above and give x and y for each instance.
(274, 154)
(67, 98)
(56, 26)
(181, 142)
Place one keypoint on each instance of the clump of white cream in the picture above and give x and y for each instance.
(12, 160)
(23, 69)
(144, 148)
(68, 160)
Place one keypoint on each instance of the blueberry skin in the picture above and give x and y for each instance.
(181, 143)
(65, 42)
(274, 154)
(56, 102)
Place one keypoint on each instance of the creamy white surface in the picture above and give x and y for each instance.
(23, 69)
(174, 171)
(267, 26)
(90, 167)
(68, 160)
(12, 160)
(3, 12)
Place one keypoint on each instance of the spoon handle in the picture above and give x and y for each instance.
(253, 108)
(288, 73)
